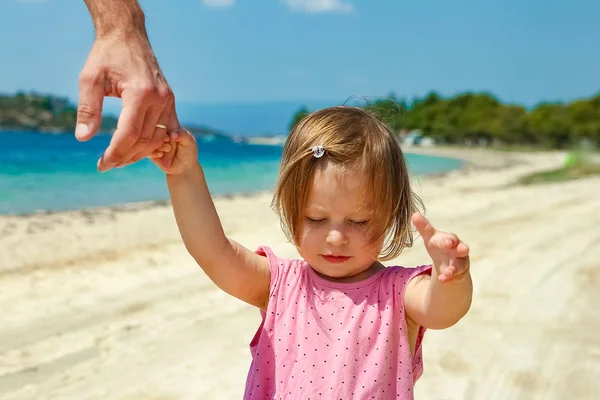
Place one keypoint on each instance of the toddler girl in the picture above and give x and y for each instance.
(337, 323)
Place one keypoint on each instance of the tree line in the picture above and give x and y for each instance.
(31, 111)
(480, 118)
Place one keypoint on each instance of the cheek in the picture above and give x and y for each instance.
(363, 235)
(306, 236)
(372, 246)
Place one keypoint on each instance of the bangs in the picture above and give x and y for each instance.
(352, 139)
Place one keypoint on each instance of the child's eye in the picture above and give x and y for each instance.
(316, 221)
(358, 223)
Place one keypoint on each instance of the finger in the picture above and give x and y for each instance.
(445, 277)
(125, 137)
(156, 154)
(462, 250)
(173, 123)
(166, 147)
(183, 137)
(144, 145)
(426, 230)
(173, 126)
(154, 123)
(89, 107)
(161, 135)
(450, 241)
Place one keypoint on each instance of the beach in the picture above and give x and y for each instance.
(106, 303)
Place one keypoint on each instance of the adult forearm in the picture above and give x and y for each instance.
(197, 217)
(117, 17)
(448, 302)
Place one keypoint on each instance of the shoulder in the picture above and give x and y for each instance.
(399, 276)
(282, 268)
(276, 262)
(403, 275)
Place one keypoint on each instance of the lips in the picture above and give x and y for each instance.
(335, 259)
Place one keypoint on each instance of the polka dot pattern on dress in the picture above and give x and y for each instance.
(321, 339)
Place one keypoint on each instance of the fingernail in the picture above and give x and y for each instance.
(103, 167)
(82, 129)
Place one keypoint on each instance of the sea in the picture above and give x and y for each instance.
(55, 172)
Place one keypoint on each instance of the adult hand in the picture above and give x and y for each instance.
(124, 66)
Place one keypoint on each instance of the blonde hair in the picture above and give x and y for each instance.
(351, 137)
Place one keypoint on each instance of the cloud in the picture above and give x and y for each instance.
(218, 3)
(319, 6)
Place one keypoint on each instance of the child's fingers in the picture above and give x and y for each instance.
(446, 241)
(451, 272)
(462, 250)
(451, 241)
(165, 147)
(170, 155)
(447, 273)
(425, 228)
(453, 269)
(444, 278)
(183, 137)
(156, 154)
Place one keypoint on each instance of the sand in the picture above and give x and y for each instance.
(107, 304)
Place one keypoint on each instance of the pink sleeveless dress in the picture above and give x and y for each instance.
(329, 340)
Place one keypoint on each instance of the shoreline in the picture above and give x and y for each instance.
(477, 159)
(447, 152)
(108, 232)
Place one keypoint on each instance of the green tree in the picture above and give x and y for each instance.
(481, 118)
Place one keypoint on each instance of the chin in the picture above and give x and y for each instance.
(336, 273)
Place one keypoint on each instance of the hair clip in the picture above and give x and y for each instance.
(318, 151)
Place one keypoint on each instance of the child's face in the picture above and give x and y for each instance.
(337, 221)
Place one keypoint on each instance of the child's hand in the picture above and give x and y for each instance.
(450, 256)
(178, 154)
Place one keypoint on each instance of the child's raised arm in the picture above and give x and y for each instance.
(232, 267)
(442, 299)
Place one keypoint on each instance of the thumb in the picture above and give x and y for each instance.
(89, 107)
(426, 230)
(183, 137)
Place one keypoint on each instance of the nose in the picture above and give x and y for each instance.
(336, 237)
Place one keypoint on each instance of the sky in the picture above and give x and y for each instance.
(256, 51)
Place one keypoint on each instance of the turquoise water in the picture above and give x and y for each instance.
(56, 172)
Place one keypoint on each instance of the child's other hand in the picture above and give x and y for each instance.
(450, 256)
(178, 154)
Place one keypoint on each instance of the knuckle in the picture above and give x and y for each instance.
(147, 90)
(144, 141)
(164, 93)
(86, 110)
(156, 144)
(131, 137)
(87, 77)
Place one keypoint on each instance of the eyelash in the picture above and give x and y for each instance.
(358, 223)
(322, 221)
